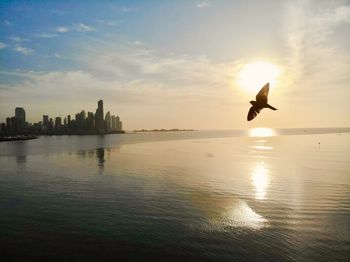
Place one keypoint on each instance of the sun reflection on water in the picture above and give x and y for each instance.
(262, 147)
(260, 181)
(241, 215)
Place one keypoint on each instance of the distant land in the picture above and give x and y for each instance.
(164, 130)
(17, 138)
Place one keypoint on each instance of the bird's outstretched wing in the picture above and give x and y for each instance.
(253, 112)
(261, 97)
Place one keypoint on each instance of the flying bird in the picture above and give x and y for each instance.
(260, 103)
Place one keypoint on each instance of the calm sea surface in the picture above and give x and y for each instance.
(259, 195)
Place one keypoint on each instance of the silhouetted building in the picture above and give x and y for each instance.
(69, 122)
(108, 122)
(51, 124)
(80, 120)
(113, 123)
(2, 127)
(8, 124)
(119, 124)
(45, 122)
(58, 123)
(90, 123)
(99, 122)
(14, 124)
(20, 114)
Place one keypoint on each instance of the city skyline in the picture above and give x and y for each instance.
(80, 123)
(188, 64)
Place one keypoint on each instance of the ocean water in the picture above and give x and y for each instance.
(258, 195)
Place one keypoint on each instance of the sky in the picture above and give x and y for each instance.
(178, 64)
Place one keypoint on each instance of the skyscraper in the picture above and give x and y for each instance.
(14, 124)
(20, 114)
(90, 123)
(119, 124)
(51, 124)
(45, 122)
(8, 124)
(108, 122)
(2, 128)
(80, 120)
(114, 122)
(58, 123)
(69, 123)
(99, 117)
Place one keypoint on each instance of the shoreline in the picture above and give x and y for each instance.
(20, 137)
(164, 130)
(17, 138)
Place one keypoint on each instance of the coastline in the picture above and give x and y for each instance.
(164, 130)
(31, 136)
(17, 138)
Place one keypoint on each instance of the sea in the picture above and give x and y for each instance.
(235, 195)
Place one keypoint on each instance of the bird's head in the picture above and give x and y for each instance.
(252, 102)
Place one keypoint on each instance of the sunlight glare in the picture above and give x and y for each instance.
(254, 75)
(241, 215)
(261, 132)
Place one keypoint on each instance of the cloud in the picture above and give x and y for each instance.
(203, 4)
(2, 45)
(18, 39)
(313, 42)
(62, 29)
(114, 23)
(137, 42)
(126, 9)
(83, 27)
(45, 35)
(23, 50)
(110, 22)
(130, 61)
(58, 56)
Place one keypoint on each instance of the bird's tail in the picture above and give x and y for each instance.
(271, 107)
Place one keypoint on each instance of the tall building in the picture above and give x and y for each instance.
(20, 114)
(108, 121)
(14, 124)
(69, 122)
(2, 128)
(51, 124)
(8, 124)
(45, 122)
(114, 123)
(99, 122)
(82, 123)
(90, 123)
(58, 123)
(80, 120)
(119, 124)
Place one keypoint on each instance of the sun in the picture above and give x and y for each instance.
(261, 132)
(254, 75)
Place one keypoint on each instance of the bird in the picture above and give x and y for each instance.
(260, 103)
